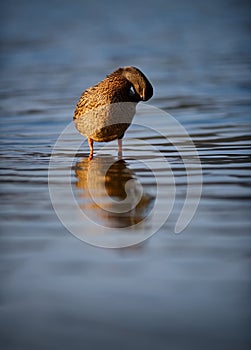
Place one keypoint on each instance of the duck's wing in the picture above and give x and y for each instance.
(92, 98)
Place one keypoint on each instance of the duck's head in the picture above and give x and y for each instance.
(143, 89)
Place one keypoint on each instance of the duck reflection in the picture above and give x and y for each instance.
(108, 196)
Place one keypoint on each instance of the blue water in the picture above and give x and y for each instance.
(186, 291)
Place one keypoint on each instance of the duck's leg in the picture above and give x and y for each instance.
(90, 143)
(120, 148)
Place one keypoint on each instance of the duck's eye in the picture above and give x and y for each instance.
(132, 91)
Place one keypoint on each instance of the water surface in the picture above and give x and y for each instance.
(174, 291)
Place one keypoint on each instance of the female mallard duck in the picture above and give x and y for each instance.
(106, 110)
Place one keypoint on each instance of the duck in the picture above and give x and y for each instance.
(105, 111)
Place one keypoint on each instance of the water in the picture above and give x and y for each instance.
(174, 291)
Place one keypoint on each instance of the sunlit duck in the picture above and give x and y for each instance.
(102, 113)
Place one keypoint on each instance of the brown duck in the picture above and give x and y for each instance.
(105, 111)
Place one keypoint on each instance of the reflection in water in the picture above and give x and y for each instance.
(103, 193)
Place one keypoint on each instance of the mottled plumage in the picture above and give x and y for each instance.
(105, 111)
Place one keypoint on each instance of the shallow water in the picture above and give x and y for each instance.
(187, 290)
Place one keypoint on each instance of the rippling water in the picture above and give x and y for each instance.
(174, 291)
